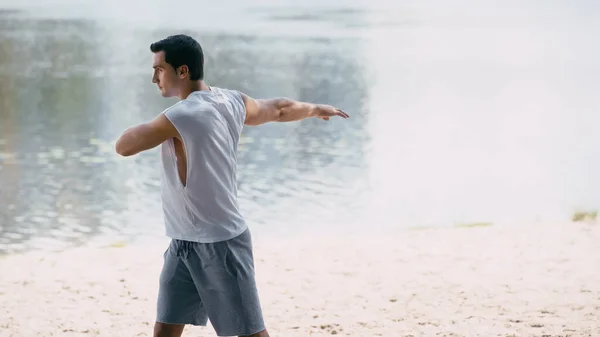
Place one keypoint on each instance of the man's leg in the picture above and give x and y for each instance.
(224, 275)
(178, 302)
(168, 330)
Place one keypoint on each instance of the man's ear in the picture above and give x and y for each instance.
(183, 71)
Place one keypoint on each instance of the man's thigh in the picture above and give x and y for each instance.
(224, 275)
(179, 301)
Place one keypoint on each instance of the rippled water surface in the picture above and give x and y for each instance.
(459, 114)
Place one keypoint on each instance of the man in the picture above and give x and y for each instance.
(208, 270)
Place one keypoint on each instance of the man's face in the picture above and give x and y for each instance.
(165, 76)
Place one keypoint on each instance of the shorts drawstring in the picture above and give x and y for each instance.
(183, 248)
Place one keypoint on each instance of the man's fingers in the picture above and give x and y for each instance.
(342, 114)
(332, 113)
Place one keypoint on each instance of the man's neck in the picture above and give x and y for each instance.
(194, 86)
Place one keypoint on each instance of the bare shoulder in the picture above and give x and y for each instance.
(162, 124)
(249, 102)
(170, 120)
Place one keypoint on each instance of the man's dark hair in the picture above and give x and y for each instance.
(182, 50)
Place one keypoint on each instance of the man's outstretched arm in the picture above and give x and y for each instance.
(260, 111)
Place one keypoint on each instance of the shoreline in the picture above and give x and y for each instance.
(533, 280)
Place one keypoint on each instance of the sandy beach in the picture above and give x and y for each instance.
(501, 280)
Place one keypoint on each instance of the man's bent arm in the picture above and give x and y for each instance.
(146, 136)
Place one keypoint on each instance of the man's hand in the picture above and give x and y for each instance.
(325, 112)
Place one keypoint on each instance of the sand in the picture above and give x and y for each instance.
(502, 280)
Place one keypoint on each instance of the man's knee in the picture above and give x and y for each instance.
(168, 330)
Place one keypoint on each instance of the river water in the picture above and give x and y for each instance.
(478, 111)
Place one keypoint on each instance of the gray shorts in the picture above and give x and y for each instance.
(201, 281)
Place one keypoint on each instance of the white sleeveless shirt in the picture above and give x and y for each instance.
(205, 209)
